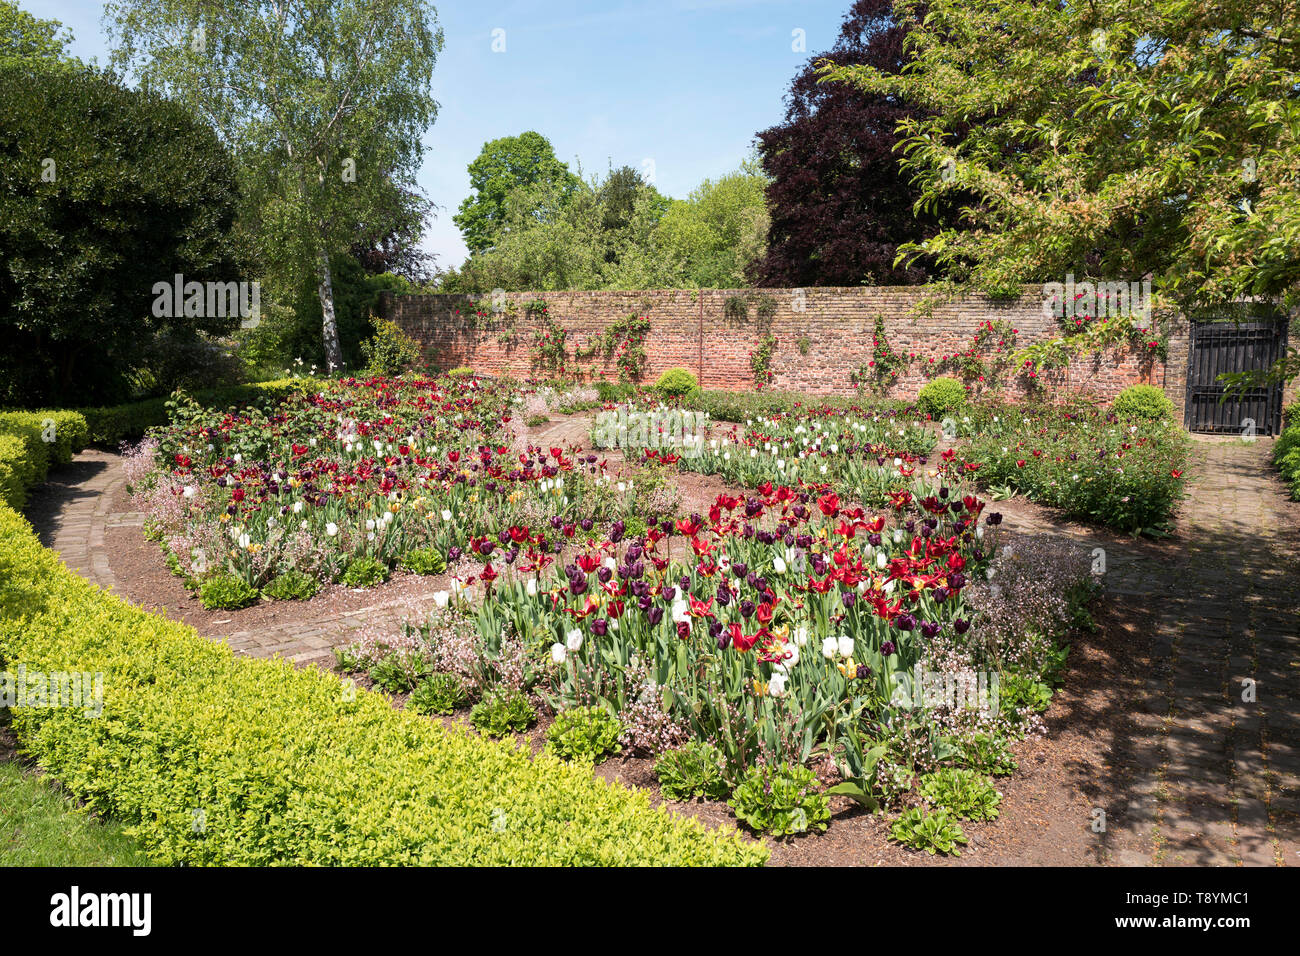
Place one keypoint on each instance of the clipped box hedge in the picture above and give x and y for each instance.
(114, 424)
(285, 765)
(35, 441)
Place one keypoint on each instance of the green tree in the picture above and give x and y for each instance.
(1112, 139)
(27, 40)
(94, 211)
(324, 102)
(510, 167)
(719, 230)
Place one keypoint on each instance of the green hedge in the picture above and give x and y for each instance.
(35, 441)
(287, 767)
(118, 423)
(1286, 453)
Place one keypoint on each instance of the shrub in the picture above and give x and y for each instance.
(291, 586)
(13, 465)
(79, 278)
(966, 794)
(676, 382)
(424, 561)
(461, 372)
(226, 592)
(287, 769)
(781, 800)
(941, 395)
(114, 424)
(933, 832)
(502, 712)
(1143, 401)
(398, 673)
(390, 350)
(693, 770)
(364, 573)
(584, 733)
(440, 693)
(615, 391)
(1286, 453)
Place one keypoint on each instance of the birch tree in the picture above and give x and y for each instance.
(323, 103)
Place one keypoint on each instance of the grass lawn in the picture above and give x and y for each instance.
(41, 827)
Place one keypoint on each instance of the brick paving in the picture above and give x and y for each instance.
(1218, 779)
(1219, 776)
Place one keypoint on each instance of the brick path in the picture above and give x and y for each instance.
(1219, 778)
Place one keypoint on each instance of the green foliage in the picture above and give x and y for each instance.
(291, 586)
(1016, 693)
(32, 442)
(28, 41)
(461, 372)
(615, 391)
(503, 711)
(781, 800)
(502, 168)
(760, 360)
(965, 794)
(941, 395)
(933, 832)
(624, 341)
(424, 561)
(695, 769)
(390, 350)
(1030, 143)
(287, 767)
(715, 234)
(439, 693)
(1286, 453)
(225, 591)
(397, 673)
(77, 285)
(364, 572)
(118, 423)
(584, 733)
(987, 754)
(676, 382)
(1143, 401)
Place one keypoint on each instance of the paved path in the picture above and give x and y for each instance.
(1218, 779)
(1218, 759)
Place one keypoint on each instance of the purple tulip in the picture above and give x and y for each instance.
(887, 648)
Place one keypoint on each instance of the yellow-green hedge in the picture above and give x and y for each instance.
(284, 767)
(43, 439)
(117, 423)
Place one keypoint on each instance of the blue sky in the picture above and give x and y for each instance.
(684, 84)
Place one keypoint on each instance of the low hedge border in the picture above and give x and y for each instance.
(288, 766)
(1286, 453)
(33, 442)
(115, 424)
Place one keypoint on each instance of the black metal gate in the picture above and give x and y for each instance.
(1217, 347)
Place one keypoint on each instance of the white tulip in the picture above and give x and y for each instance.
(776, 686)
(189, 491)
(441, 598)
(845, 646)
(779, 565)
(331, 529)
(370, 524)
(882, 561)
(573, 640)
(446, 514)
(531, 587)
(830, 647)
(297, 507)
(801, 635)
(680, 612)
(557, 653)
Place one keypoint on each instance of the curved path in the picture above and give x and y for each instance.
(1214, 744)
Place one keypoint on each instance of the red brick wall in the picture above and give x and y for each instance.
(690, 329)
